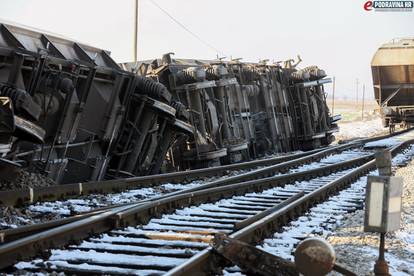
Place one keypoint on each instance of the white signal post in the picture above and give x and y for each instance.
(383, 205)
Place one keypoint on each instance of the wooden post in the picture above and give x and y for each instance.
(363, 101)
(356, 91)
(333, 95)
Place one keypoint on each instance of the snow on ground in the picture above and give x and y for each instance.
(355, 249)
(391, 141)
(357, 129)
(358, 250)
(44, 211)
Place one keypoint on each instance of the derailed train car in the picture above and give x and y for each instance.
(243, 110)
(393, 78)
(68, 111)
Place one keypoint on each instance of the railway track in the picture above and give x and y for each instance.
(58, 192)
(292, 223)
(138, 185)
(86, 205)
(177, 242)
(95, 201)
(322, 219)
(12, 234)
(92, 197)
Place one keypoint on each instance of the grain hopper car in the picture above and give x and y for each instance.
(393, 79)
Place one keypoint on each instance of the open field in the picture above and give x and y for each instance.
(352, 125)
(351, 110)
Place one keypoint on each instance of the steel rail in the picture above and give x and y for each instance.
(205, 262)
(13, 234)
(214, 193)
(57, 192)
(140, 213)
(37, 194)
(32, 245)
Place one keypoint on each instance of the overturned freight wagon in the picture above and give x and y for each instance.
(243, 110)
(393, 78)
(69, 112)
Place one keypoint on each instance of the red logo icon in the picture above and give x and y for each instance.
(368, 6)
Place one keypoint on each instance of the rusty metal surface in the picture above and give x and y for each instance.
(314, 257)
(251, 259)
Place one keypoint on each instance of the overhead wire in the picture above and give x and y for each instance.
(187, 29)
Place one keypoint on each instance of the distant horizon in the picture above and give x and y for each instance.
(341, 39)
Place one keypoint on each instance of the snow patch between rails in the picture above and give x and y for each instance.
(390, 142)
(86, 268)
(57, 209)
(322, 220)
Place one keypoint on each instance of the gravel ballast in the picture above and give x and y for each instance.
(358, 250)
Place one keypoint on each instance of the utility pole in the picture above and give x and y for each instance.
(356, 92)
(333, 95)
(135, 36)
(363, 100)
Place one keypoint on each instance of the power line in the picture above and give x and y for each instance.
(187, 29)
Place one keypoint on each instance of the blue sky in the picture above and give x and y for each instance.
(339, 36)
